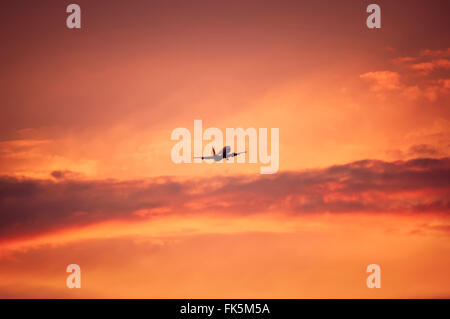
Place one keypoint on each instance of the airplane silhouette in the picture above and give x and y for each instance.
(224, 153)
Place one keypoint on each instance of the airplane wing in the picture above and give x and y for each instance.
(236, 154)
(205, 157)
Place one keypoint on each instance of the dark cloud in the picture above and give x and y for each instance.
(66, 174)
(29, 207)
(423, 150)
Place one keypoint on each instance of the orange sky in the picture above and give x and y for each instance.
(86, 175)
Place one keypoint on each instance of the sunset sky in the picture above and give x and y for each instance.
(86, 175)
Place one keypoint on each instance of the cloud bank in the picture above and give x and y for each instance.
(30, 207)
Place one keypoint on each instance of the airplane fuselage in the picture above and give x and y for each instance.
(225, 153)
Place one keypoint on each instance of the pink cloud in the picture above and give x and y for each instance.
(436, 53)
(382, 80)
(427, 67)
(413, 86)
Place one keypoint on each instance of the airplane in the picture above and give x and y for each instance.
(224, 153)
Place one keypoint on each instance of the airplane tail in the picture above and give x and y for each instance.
(213, 151)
